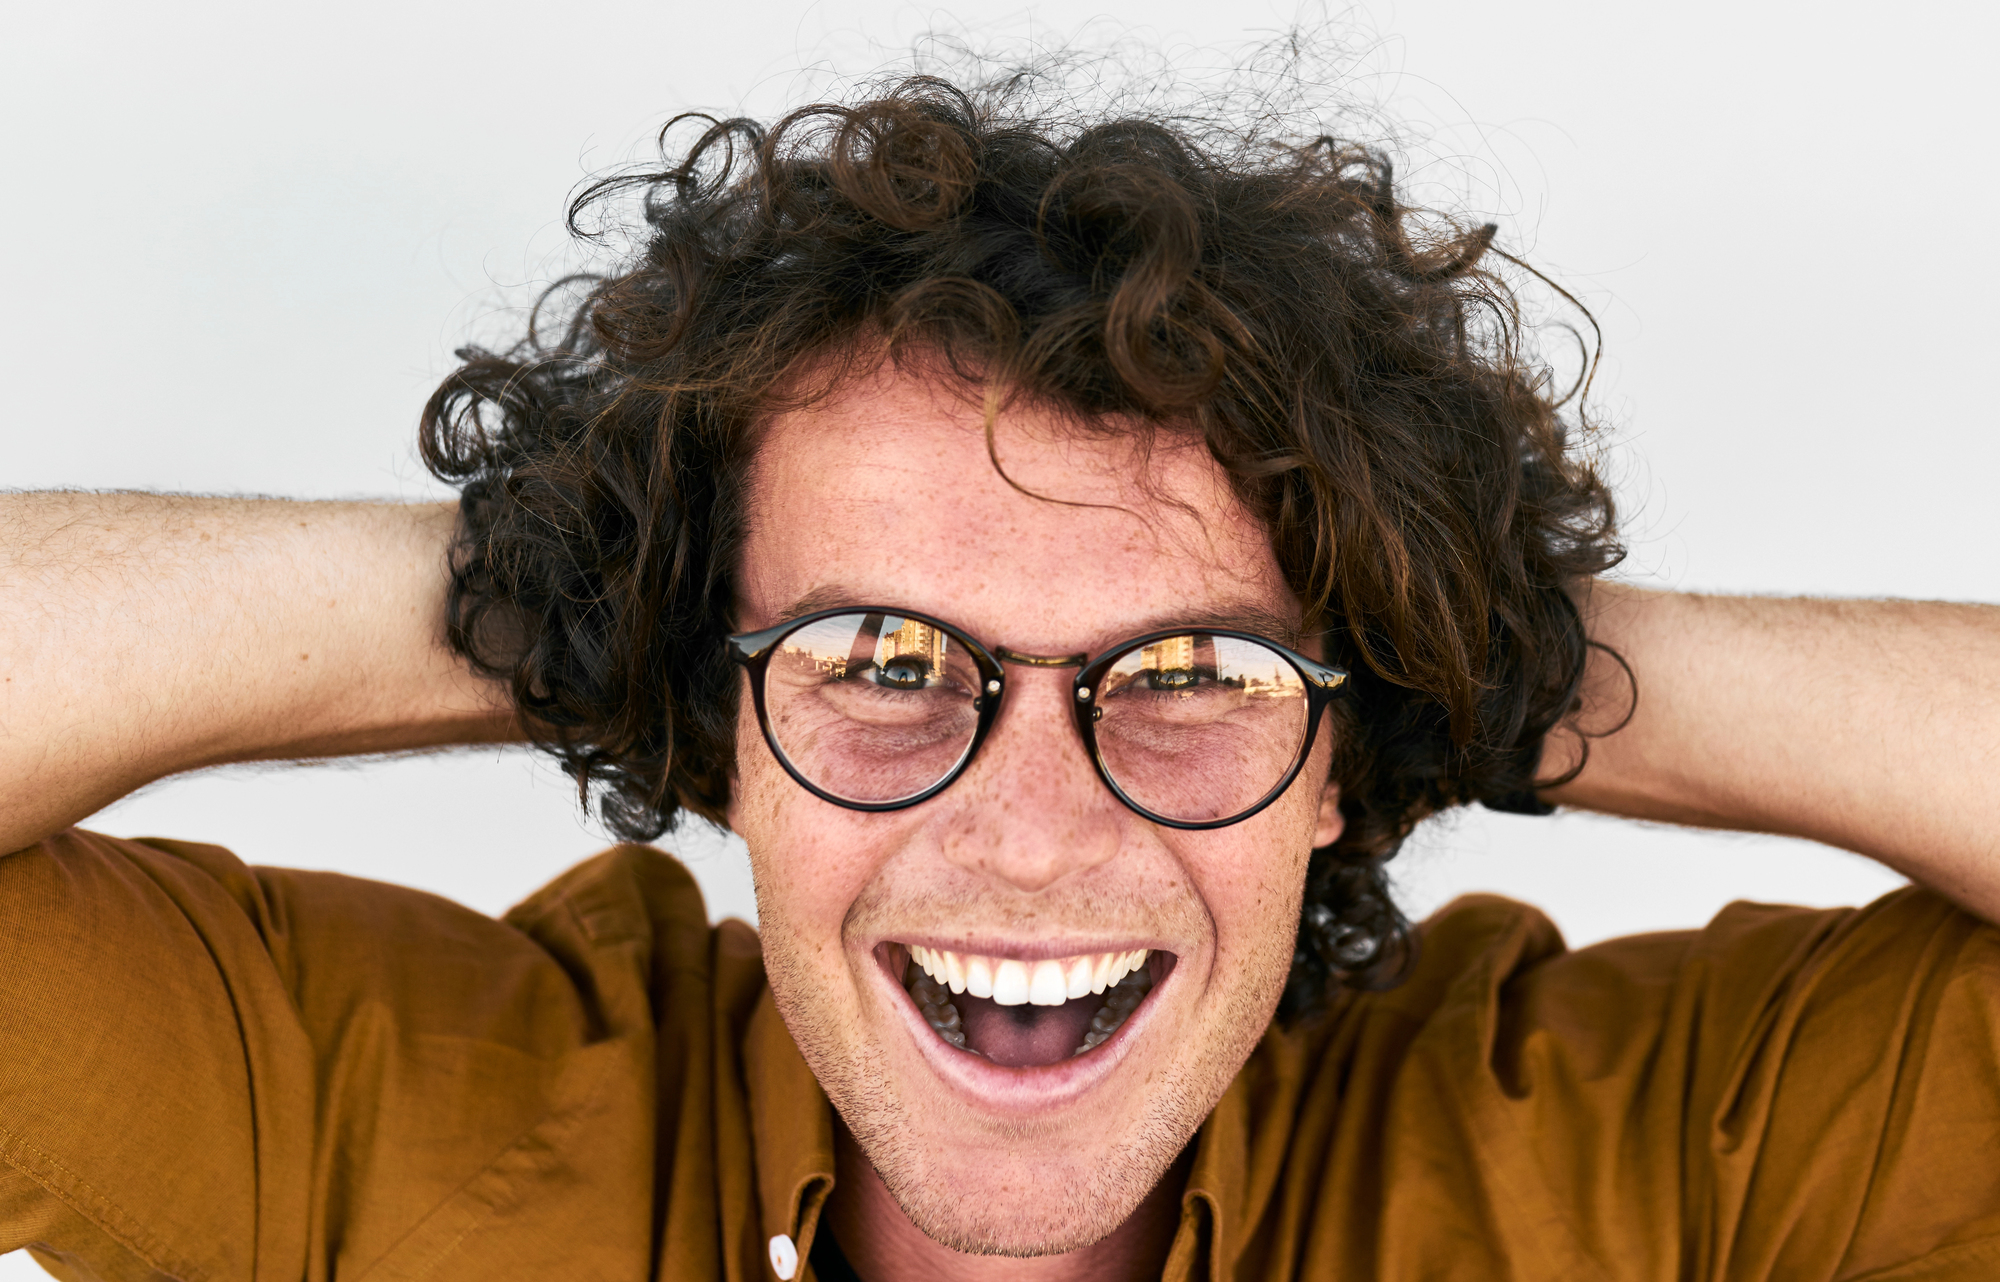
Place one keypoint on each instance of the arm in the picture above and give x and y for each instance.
(144, 635)
(1870, 725)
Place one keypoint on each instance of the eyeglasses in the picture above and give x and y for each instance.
(879, 709)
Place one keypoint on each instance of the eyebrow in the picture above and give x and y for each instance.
(825, 597)
(1234, 616)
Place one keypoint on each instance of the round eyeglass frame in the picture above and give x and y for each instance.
(753, 650)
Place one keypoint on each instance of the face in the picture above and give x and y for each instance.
(1015, 1144)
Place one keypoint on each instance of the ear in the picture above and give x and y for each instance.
(1331, 822)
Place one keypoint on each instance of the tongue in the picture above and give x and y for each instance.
(1024, 1036)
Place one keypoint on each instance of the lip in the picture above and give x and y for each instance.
(991, 1088)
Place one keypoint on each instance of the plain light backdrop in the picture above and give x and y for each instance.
(242, 239)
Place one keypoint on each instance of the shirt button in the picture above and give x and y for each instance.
(784, 1257)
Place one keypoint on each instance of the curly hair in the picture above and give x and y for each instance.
(1363, 385)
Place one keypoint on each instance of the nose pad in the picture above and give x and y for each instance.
(1030, 808)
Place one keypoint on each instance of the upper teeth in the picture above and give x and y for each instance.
(1015, 983)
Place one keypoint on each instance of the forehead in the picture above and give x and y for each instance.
(885, 494)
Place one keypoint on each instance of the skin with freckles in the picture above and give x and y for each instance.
(884, 494)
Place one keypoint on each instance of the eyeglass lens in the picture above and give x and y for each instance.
(871, 707)
(874, 708)
(1198, 727)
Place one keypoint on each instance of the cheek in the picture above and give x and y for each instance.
(807, 862)
(1254, 896)
(765, 809)
(1252, 878)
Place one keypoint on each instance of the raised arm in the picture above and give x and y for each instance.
(1870, 725)
(143, 635)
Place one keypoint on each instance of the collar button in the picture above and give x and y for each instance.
(784, 1257)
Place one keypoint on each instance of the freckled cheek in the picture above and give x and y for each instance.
(790, 871)
(1251, 883)
(809, 867)
(1249, 894)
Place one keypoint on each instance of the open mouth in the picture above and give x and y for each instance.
(1027, 1014)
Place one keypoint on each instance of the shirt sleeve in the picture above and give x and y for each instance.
(210, 1071)
(1787, 1093)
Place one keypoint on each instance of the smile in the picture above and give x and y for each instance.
(1025, 1014)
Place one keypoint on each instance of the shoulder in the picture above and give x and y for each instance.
(1486, 957)
(1783, 1082)
(1496, 998)
(202, 1054)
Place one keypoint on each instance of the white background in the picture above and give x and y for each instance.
(241, 240)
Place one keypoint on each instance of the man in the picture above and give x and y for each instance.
(1072, 559)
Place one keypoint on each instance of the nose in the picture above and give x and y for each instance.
(1030, 808)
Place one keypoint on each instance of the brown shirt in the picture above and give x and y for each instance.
(211, 1071)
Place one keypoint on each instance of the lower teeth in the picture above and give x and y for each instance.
(1119, 1003)
(934, 1000)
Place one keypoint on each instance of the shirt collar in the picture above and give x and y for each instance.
(1213, 1203)
(791, 1127)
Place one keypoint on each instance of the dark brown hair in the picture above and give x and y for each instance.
(1363, 385)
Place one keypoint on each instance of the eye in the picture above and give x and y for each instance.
(1170, 678)
(904, 672)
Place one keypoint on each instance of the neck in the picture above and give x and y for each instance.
(883, 1246)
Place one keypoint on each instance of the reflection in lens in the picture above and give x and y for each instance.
(1199, 727)
(872, 707)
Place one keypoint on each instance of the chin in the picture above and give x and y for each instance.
(1026, 1208)
(1014, 1127)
